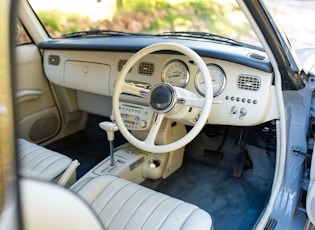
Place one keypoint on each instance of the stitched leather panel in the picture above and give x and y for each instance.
(121, 204)
(39, 162)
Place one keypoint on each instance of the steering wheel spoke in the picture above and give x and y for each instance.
(134, 90)
(191, 102)
(156, 124)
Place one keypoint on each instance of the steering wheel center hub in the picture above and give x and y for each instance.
(162, 98)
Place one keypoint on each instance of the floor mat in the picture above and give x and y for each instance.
(234, 203)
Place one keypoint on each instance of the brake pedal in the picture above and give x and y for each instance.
(212, 157)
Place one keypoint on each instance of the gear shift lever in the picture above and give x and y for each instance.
(110, 129)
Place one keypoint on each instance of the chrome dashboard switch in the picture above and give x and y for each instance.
(243, 112)
(233, 110)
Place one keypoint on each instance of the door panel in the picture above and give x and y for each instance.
(38, 118)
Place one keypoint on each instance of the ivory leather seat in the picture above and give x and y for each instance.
(38, 162)
(103, 202)
(107, 202)
(120, 204)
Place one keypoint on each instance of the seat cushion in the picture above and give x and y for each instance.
(121, 204)
(38, 162)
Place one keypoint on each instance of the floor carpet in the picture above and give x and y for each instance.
(234, 203)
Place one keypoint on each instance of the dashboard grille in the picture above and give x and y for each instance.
(248, 82)
(146, 68)
(121, 64)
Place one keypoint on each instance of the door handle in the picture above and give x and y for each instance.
(27, 95)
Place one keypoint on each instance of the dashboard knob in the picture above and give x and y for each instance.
(233, 110)
(142, 124)
(243, 112)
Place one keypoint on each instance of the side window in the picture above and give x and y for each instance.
(21, 35)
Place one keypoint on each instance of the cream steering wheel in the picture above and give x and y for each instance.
(162, 98)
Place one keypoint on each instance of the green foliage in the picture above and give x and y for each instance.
(145, 5)
(161, 15)
(50, 19)
(58, 23)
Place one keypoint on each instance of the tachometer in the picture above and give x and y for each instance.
(176, 73)
(218, 80)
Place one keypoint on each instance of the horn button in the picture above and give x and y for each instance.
(162, 98)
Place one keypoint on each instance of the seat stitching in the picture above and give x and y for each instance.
(46, 158)
(194, 210)
(76, 188)
(171, 211)
(150, 195)
(138, 189)
(21, 146)
(98, 195)
(108, 199)
(34, 153)
(120, 206)
(82, 186)
(32, 149)
(153, 211)
(30, 152)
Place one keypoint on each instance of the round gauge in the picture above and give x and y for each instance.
(218, 80)
(176, 73)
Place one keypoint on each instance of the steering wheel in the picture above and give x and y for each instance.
(162, 98)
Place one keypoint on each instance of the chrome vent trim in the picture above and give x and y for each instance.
(271, 224)
(121, 64)
(146, 68)
(139, 84)
(248, 82)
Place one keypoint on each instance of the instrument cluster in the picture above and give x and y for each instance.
(177, 74)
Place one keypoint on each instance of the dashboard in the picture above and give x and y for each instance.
(243, 91)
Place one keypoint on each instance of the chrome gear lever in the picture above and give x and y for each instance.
(110, 129)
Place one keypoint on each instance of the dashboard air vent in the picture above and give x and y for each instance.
(146, 68)
(121, 64)
(248, 82)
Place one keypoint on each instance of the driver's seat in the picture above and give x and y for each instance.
(117, 204)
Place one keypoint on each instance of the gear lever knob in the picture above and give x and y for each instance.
(110, 129)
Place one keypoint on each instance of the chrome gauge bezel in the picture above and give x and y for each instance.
(184, 73)
(217, 89)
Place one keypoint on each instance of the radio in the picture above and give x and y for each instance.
(135, 117)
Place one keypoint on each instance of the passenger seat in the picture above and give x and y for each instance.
(121, 204)
(41, 163)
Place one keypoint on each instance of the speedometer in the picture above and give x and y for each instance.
(218, 80)
(176, 73)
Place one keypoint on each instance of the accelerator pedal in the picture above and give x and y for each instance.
(243, 162)
(212, 157)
